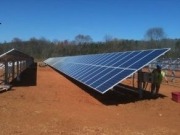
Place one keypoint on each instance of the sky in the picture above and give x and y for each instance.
(65, 19)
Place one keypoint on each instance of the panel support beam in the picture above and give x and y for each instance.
(140, 89)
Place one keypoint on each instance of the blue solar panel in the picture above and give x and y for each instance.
(103, 71)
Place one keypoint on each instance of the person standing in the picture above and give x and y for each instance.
(172, 75)
(156, 80)
(164, 75)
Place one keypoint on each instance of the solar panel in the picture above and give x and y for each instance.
(103, 71)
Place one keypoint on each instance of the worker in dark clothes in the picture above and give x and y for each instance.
(156, 80)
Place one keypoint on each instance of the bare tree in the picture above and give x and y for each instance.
(82, 39)
(155, 34)
(108, 38)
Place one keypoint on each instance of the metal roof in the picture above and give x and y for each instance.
(14, 55)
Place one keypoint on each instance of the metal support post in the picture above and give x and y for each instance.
(140, 83)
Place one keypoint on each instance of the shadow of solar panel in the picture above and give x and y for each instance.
(103, 71)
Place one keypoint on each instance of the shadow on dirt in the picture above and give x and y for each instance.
(117, 96)
(28, 77)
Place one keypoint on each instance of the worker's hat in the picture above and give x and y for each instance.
(158, 66)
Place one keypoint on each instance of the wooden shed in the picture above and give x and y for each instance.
(12, 64)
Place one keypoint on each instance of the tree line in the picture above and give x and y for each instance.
(42, 48)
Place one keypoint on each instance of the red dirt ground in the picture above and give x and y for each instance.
(52, 104)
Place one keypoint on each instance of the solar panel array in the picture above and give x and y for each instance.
(103, 71)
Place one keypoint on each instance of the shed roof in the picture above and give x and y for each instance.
(14, 55)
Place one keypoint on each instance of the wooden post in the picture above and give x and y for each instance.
(133, 80)
(13, 68)
(6, 72)
(20, 66)
(17, 68)
(18, 71)
(140, 83)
